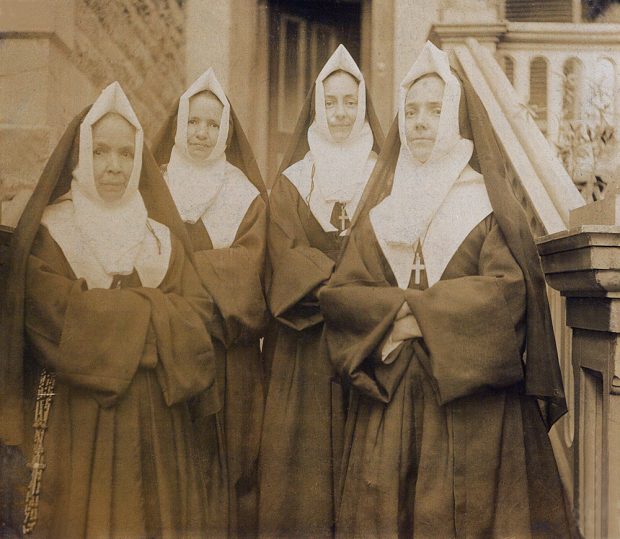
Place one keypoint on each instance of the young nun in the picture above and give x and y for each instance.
(437, 297)
(311, 205)
(105, 320)
(220, 195)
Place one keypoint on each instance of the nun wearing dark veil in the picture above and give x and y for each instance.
(438, 318)
(105, 341)
(216, 185)
(312, 203)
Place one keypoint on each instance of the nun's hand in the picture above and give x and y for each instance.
(406, 328)
(403, 311)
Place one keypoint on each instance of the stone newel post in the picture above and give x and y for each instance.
(583, 263)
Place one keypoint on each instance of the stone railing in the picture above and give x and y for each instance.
(540, 181)
(542, 59)
(538, 58)
(567, 78)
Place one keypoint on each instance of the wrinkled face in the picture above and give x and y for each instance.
(113, 153)
(340, 104)
(422, 112)
(203, 124)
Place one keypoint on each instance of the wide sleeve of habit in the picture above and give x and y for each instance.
(234, 276)
(472, 320)
(298, 269)
(97, 339)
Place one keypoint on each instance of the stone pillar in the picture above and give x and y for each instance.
(384, 53)
(555, 95)
(583, 263)
(249, 65)
(522, 75)
(617, 97)
(33, 33)
(207, 30)
(460, 19)
(232, 38)
(451, 35)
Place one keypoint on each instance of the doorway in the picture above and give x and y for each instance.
(302, 36)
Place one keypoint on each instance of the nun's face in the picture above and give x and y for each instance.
(422, 112)
(340, 104)
(113, 153)
(203, 125)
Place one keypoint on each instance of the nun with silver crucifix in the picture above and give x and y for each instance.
(437, 297)
(323, 175)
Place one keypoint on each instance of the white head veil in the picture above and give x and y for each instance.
(339, 165)
(339, 170)
(420, 188)
(194, 184)
(113, 231)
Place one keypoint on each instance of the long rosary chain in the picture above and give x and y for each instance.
(45, 394)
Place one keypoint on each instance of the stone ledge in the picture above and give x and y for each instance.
(596, 314)
(55, 17)
(583, 262)
(573, 34)
(587, 283)
(578, 238)
(458, 33)
(583, 259)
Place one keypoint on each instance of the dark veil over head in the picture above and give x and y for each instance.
(543, 378)
(238, 150)
(55, 181)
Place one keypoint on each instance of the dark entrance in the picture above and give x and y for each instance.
(302, 36)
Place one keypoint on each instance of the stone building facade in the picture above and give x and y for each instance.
(56, 56)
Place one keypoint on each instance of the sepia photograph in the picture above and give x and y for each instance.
(321, 269)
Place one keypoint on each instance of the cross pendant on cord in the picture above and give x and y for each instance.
(343, 217)
(418, 268)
